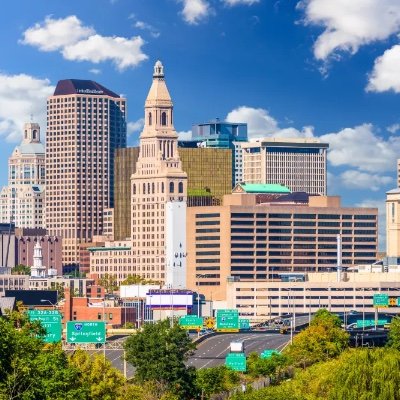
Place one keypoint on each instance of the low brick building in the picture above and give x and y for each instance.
(97, 309)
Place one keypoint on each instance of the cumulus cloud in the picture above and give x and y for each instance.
(20, 97)
(195, 11)
(363, 180)
(350, 24)
(362, 148)
(55, 34)
(261, 124)
(135, 126)
(385, 74)
(239, 2)
(79, 43)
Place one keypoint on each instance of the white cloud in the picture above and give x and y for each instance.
(95, 71)
(136, 126)
(261, 124)
(393, 128)
(79, 43)
(185, 135)
(350, 24)
(385, 74)
(20, 97)
(122, 52)
(195, 10)
(147, 27)
(238, 2)
(55, 34)
(364, 180)
(362, 148)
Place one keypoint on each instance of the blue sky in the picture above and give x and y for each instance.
(289, 68)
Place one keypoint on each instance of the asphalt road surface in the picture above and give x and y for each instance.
(213, 350)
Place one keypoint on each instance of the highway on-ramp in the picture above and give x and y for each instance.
(213, 350)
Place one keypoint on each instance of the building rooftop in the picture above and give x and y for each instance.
(79, 86)
(394, 191)
(31, 148)
(260, 188)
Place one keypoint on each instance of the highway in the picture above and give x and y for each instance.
(213, 350)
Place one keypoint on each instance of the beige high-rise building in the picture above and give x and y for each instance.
(85, 124)
(22, 201)
(299, 164)
(158, 180)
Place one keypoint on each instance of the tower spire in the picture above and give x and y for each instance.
(158, 70)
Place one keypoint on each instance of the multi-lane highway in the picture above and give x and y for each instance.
(213, 350)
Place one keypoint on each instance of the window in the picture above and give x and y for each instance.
(163, 118)
(171, 187)
(150, 119)
(134, 189)
(180, 187)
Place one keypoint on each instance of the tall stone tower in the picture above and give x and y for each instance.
(159, 188)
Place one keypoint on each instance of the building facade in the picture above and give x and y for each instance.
(252, 238)
(158, 180)
(124, 167)
(23, 200)
(85, 124)
(260, 301)
(25, 240)
(299, 164)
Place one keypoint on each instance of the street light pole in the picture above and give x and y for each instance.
(48, 301)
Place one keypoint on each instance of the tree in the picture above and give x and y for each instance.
(109, 282)
(138, 280)
(257, 366)
(101, 380)
(159, 352)
(29, 369)
(211, 381)
(322, 340)
(394, 334)
(324, 317)
(21, 269)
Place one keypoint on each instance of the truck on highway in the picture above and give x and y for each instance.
(237, 347)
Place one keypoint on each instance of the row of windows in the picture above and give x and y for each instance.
(304, 216)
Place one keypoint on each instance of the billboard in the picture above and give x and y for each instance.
(169, 299)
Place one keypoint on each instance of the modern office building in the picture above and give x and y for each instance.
(393, 223)
(22, 201)
(7, 245)
(255, 236)
(299, 164)
(124, 166)
(85, 124)
(209, 172)
(221, 135)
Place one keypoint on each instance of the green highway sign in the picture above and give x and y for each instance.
(191, 322)
(370, 322)
(244, 324)
(227, 321)
(50, 321)
(398, 302)
(236, 361)
(381, 300)
(86, 332)
(267, 353)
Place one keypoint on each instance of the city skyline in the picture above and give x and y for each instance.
(298, 69)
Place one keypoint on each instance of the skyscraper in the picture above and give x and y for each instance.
(22, 201)
(85, 124)
(299, 164)
(159, 187)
